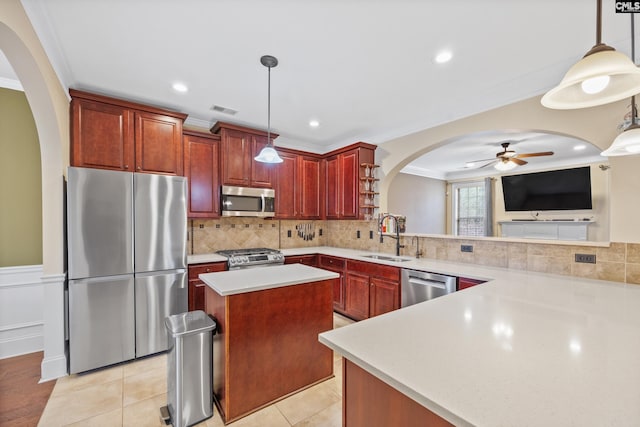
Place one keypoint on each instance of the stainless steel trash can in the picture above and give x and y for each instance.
(189, 368)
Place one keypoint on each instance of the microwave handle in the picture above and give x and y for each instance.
(263, 202)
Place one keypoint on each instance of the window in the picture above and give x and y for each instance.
(471, 211)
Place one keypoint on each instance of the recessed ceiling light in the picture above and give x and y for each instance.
(579, 147)
(180, 87)
(469, 165)
(314, 123)
(444, 56)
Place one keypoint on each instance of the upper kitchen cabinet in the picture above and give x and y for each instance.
(202, 168)
(343, 173)
(238, 147)
(297, 181)
(109, 133)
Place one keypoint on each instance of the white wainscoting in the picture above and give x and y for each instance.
(21, 310)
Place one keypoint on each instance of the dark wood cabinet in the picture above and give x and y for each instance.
(297, 181)
(342, 180)
(202, 168)
(109, 133)
(356, 302)
(384, 296)
(337, 265)
(311, 260)
(238, 147)
(197, 286)
(464, 282)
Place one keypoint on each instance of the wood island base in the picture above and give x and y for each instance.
(266, 346)
(368, 401)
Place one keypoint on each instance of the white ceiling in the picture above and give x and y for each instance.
(363, 68)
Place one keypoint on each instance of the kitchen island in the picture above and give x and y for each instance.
(266, 346)
(524, 349)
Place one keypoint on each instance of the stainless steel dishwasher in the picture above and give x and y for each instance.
(419, 286)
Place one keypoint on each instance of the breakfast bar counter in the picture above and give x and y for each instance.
(266, 346)
(524, 349)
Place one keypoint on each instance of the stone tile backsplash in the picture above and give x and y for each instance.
(619, 262)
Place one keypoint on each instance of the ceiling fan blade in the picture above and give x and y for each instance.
(518, 161)
(493, 161)
(542, 153)
(483, 160)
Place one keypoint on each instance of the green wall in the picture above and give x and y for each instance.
(20, 183)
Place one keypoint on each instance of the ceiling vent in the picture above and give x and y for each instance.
(224, 110)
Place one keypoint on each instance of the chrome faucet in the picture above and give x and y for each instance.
(397, 236)
(418, 251)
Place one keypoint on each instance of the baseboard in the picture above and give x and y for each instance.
(52, 368)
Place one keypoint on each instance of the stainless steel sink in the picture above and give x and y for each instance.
(387, 258)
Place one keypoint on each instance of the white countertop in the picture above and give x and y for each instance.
(256, 279)
(525, 349)
(205, 258)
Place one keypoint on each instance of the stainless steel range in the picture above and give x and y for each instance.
(251, 258)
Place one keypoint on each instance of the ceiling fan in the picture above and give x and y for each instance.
(508, 159)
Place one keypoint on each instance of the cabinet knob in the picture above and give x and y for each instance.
(208, 270)
(126, 166)
(139, 168)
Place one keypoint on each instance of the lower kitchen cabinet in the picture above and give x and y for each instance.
(384, 296)
(337, 265)
(464, 283)
(196, 286)
(311, 260)
(357, 295)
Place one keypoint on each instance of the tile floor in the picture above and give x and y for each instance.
(132, 394)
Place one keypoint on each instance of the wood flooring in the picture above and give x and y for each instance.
(22, 399)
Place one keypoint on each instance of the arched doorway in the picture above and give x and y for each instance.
(49, 106)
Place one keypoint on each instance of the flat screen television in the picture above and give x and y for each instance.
(565, 189)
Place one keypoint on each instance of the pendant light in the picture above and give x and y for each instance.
(600, 77)
(628, 142)
(268, 154)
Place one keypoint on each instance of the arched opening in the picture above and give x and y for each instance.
(49, 107)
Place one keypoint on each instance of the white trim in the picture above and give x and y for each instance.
(11, 84)
(54, 364)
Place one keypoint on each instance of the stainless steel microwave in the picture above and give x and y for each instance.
(245, 201)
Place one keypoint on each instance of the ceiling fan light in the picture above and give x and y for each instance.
(623, 75)
(268, 155)
(505, 165)
(625, 144)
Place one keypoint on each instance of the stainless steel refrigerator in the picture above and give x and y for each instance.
(126, 240)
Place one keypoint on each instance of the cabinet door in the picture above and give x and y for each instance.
(464, 283)
(332, 187)
(196, 286)
(385, 296)
(201, 159)
(158, 144)
(286, 185)
(349, 183)
(235, 158)
(309, 188)
(101, 136)
(357, 295)
(261, 173)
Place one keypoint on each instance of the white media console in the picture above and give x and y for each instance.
(545, 229)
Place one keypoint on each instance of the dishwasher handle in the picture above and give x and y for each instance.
(427, 282)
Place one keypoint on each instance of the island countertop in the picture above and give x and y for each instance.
(234, 282)
(525, 349)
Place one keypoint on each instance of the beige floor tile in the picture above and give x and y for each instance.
(146, 364)
(145, 413)
(340, 321)
(78, 405)
(329, 417)
(309, 402)
(77, 382)
(109, 419)
(267, 417)
(144, 385)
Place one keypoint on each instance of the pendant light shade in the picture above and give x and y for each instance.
(628, 142)
(268, 154)
(602, 76)
(505, 165)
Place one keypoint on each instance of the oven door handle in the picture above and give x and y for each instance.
(426, 282)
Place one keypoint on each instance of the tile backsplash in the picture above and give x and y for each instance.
(619, 262)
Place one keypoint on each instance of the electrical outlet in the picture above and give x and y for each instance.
(466, 248)
(320, 232)
(586, 258)
(200, 225)
(371, 234)
(357, 234)
(288, 233)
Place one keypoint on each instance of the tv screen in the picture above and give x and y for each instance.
(564, 189)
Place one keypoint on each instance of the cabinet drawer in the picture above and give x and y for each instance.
(464, 282)
(302, 259)
(198, 269)
(373, 269)
(332, 262)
